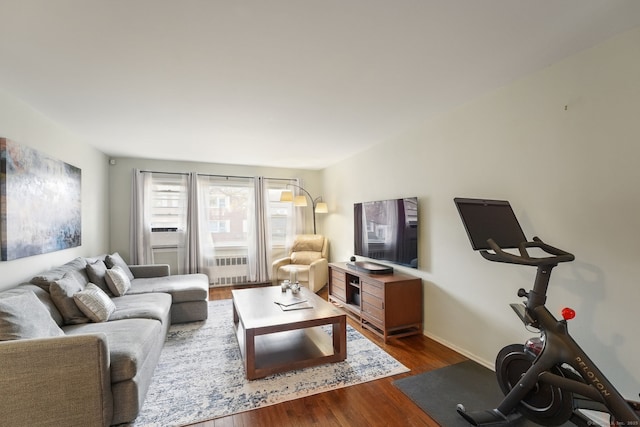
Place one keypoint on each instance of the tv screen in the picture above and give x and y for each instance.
(387, 230)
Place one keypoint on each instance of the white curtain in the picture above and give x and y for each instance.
(140, 251)
(188, 230)
(206, 248)
(260, 234)
(296, 224)
(299, 214)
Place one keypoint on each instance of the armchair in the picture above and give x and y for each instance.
(307, 262)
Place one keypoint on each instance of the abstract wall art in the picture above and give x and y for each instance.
(40, 202)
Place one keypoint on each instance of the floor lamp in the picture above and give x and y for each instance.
(317, 204)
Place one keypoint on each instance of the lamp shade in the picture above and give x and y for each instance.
(286, 196)
(322, 207)
(300, 201)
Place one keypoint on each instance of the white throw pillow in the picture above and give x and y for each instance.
(95, 303)
(118, 281)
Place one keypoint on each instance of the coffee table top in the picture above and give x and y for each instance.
(256, 307)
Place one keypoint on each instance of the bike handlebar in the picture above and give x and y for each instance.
(499, 255)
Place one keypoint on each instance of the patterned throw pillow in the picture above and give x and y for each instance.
(95, 303)
(118, 281)
(23, 316)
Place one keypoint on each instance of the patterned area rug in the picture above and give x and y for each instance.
(200, 375)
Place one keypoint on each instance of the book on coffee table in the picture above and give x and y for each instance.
(292, 302)
(297, 306)
(288, 299)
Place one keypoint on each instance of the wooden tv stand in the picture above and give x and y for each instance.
(389, 305)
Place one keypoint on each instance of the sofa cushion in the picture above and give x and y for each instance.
(76, 268)
(23, 316)
(115, 259)
(308, 242)
(118, 281)
(182, 287)
(143, 306)
(94, 303)
(43, 296)
(62, 292)
(96, 270)
(129, 342)
(301, 272)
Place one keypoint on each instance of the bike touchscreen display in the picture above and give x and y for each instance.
(490, 219)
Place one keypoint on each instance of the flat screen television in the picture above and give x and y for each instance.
(387, 230)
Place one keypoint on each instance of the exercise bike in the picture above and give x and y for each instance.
(549, 380)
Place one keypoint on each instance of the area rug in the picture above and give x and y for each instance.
(439, 391)
(200, 375)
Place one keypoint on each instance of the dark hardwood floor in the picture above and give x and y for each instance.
(375, 403)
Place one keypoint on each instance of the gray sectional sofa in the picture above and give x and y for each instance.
(80, 342)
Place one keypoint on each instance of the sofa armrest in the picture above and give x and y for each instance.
(56, 381)
(280, 262)
(150, 270)
(318, 274)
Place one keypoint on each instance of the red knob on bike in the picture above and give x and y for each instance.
(568, 313)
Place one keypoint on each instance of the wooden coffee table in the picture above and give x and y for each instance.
(272, 340)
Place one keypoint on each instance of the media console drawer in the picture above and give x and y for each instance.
(338, 285)
(373, 288)
(389, 305)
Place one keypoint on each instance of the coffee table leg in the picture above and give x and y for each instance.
(340, 338)
(250, 351)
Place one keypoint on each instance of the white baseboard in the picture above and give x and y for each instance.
(465, 353)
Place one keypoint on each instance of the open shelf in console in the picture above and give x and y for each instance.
(353, 290)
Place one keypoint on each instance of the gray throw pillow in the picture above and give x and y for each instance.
(116, 259)
(23, 316)
(75, 266)
(117, 281)
(95, 303)
(62, 292)
(96, 271)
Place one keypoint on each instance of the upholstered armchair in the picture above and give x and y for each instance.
(307, 262)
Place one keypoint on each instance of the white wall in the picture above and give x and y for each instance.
(572, 176)
(22, 124)
(120, 187)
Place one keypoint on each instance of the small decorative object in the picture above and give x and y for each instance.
(284, 285)
(295, 288)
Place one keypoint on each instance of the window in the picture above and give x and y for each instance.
(168, 202)
(228, 205)
(167, 218)
(281, 219)
(227, 224)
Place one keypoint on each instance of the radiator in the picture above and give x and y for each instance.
(229, 270)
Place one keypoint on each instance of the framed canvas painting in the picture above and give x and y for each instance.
(40, 204)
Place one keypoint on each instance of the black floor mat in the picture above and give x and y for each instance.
(438, 392)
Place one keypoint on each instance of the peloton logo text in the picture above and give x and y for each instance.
(592, 377)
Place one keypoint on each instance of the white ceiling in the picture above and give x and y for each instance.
(291, 83)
